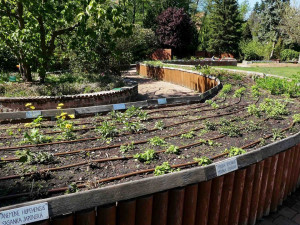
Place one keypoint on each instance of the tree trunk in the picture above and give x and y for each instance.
(272, 52)
(25, 72)
(299, 59)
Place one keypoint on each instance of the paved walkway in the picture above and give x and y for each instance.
(287, 214)
(153, 89)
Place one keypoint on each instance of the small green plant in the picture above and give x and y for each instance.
(172, 149)
(251, 126)
(255, 91)
(225, 90)
(212, 104)
(146, 157)
(160, 125)
(210, 125)
(107, 129)
(273, 108)
(66, 126)
(28, 157)
(239, 92)
(277, 134)
(125, 148)
(188, 135)
(231, 130)
(164, 168)
(254, 110)
(209, 142)
(72, 188)
(36, 123)
(35, 137)
(203, 161)
(296, 118)
(132, 127)
(157, 141)
(234, 151)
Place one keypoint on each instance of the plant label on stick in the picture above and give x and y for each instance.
(33, 114)
(25, 215)
(162, 101)
(119, 106)
(226, 166)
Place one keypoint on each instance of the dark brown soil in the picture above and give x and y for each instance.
(35, 184)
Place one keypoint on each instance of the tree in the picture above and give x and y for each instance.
(31, 28)
(224, 26)
(290, 24)
(176, 30)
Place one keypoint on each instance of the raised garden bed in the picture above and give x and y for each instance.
(76, 155)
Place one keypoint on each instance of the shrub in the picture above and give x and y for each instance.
(288, 55)
(254, 50)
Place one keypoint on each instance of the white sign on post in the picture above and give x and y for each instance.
(33, 114)
(226, 166)
(162, 101)
(24, 215)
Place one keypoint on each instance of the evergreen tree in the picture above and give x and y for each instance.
(224, 26)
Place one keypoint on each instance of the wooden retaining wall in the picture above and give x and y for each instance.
(189, 79)
(237, 198)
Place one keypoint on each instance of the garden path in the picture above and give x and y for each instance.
(153, 89)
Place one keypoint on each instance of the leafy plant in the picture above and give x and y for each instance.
(203, 161)
(35, 137)
(28, 157)
(277, 134)
(172, 149)
(164, 168)
(231, 130)
(273, 108)
(255, 91)
(296, 118)
(126, 148)
(132, 127)
(239, 92)
(188, 135)
(72, 188)
(225, 90)
(146, 156)
(210, 125)
(36, 123)
(160, 125)
(234, 151)
(157, 141)
(107, 129)
(254, 110)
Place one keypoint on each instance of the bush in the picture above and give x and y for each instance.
(254, 50)
(8, 61)
(288, 55)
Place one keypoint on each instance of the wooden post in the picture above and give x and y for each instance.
(107, 215)
(160, 208)
(204, 191)
(226, 198)
(144, 211)
(86, 217)
(246, 202)
(63, 220)
(215, 200)
(175, 207)
(126, 213)
(190, 204)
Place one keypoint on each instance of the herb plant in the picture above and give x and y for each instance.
(203, 161)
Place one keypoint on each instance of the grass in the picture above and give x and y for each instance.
(290, 72)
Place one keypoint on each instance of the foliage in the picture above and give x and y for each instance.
(277, 134)
(296, 118)
(163, 169)
(8, 61)
(107, 129)
(160, 125)
(239, 92)
(203, 161)
(279, 86)
(255, 91)
(146, 156)
(65, 125)
(254, 110)
(172, 149)
(234, 151)
(225, 90)
(176, 30)
(188, 135)
(28, 157)
(36, 123)
(72, 188)
(126, 148)
(288, 55)
(157, 141)
(35, 137)
(230, 130)
(273, 108)
(224, 26)
(210, 125)
(255, 50)
(32, 29)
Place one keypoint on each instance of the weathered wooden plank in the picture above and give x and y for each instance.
(190, 204)
(107, 215)
(126, 213)
(87, 217)
(175, 207)
(144, 210)
(204, 191)
(160, 208)
(215, 200)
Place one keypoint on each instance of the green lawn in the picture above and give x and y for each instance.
(291, 72)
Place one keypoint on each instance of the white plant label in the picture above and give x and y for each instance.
(226, 166)
(25, 215)
(162, 101)
(33, 114)
(119, 106)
